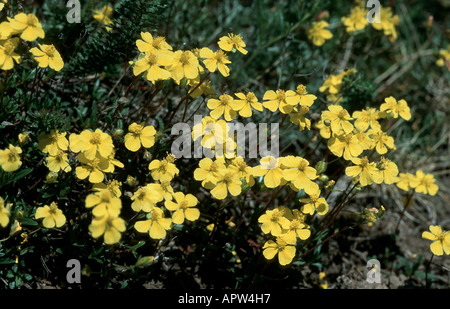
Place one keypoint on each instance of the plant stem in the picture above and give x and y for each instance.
(428, 284)
(403, 212)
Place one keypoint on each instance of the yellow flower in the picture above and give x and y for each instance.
(363, 139)
(298, 171)
(243, 170)
(232, 42)
(53, 143)
(366, 171)
(365, 118)
(424, 183)
(215, 61)
(440, 238)
(285, 250)
(183, 207)
(28, 25)
(112, 186)
(151, 63)
(10, 158)
(444, 57)
(93, 169)
(381, 141)
(388, 170)
(103, 16)
(6, 31)
(339, 119)
(166, 189)
(227, 182)
(53, 216)
(204, 88)
(110, 226)
(300, 96)
(58, 162)
(207, 171)
(103, 203)
(23, 138)
(7, 54)
(211, 131)
(153, 45)
(4, 213)
(332, 84)
(139, 135)
(248, 101)
(296, 228)
(47, 56)
(356, 20)
(156, 226)
(182, 64)
(225, 106)
(346, 145)
(273, 222)
(274, 100)
(145, 198)
(270, 168)
(91, 143)
(318, 34)
(314, 203)
(404, 181)
(164, 169)
(324, 130)
(392, 107)
(387, 23)
(299, 119)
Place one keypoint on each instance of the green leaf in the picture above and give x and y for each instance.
(29, 221)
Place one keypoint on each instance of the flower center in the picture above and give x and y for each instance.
(12, 156)
(53, 208)
(220, 56)
(95, 138)
(49, 50)
(301, 90)
(184, 58)
(157, 42)
(364, 162)
(151, 59)
(281, 95)
(227, 178)
(251, 96)
(183, 204)
(342, 114)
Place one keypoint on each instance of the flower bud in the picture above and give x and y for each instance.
(117, 133)
(23, 138)
(321, 167)
(51, 177)
(131, 181)
(330, 185)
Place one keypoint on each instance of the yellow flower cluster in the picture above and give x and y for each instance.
(26, 27)
(355, 21)
(10, 160)
(158, 61)
(287, 226)
(145, 199)
(440, 240)
(52, 215)
(332, 85)
(103, 16)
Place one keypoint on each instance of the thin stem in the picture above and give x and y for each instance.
(428, 284)
(405, 206)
